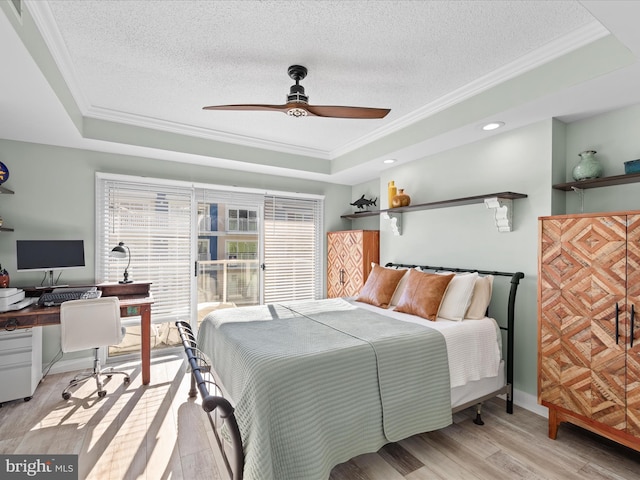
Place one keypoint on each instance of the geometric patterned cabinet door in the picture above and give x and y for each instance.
(349, 257)
(588, 294)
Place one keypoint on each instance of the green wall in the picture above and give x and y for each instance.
(55, 199)
(616, 138)
(527, 160)
(517, 161)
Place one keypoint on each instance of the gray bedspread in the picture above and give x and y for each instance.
(317, 383)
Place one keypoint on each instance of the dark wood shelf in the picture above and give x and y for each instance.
(455, 202)
(599, 182)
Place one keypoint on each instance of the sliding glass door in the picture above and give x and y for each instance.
(229, 244)
(257, 248)
(154, 221)
(292, 249)
(206, 247)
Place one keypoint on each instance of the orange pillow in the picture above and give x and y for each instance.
(423, 294)
(380, 285)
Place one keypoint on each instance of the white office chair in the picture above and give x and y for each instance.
(91, 324)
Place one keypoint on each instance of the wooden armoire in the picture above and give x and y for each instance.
(349, 257)
(588, 325)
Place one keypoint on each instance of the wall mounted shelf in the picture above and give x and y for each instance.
(599, 182)
(582, 185)
(501, 201)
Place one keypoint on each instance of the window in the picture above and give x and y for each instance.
(155, 221)
(242, 220)
(241, 249)
(293, 248)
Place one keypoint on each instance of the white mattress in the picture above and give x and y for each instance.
(473, 350)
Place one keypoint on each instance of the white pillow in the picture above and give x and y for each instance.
(480, 298)
(399, 289)
(458, 296)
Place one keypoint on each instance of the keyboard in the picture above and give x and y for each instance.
(61, 295)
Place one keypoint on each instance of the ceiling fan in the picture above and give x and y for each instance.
(298, 103)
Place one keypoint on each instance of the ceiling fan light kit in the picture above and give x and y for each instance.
(298, 103)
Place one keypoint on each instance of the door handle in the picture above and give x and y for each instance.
(633, 315)
(341, 277)
(617, 324)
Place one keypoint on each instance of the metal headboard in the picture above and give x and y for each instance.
(515, 281)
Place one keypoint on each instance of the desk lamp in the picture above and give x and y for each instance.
(120, 252)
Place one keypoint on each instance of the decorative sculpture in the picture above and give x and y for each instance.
(362, 202)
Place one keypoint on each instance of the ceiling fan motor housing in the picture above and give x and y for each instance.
(296, 94)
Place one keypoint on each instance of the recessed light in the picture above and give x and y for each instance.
(493, 126)
(389, 160)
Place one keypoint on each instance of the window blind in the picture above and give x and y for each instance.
(293, 248)
(155, 221)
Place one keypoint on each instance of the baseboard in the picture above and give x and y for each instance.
(529, 402)
(63, 366)
(84, 363)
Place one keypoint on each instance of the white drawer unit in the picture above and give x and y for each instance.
(20, 363)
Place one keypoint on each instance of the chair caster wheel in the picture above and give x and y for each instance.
(127, 380)
(102, 393)
(66, 395)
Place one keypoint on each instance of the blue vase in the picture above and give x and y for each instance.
(588, 166)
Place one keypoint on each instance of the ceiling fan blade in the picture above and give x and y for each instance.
(336, 111)
(298, 103)
(248, 107)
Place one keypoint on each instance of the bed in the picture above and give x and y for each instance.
(293, 389)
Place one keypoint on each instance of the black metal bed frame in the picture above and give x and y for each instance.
(220, 412)
(510, 328)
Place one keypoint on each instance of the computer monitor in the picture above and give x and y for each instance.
(49, 255)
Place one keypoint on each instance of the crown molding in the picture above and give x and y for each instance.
(105, 114)
(551, 51)
(43, 18)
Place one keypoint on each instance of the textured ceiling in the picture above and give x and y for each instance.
(132, 76)
(167, 59)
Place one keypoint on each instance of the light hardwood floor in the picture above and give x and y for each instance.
(156, 432)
